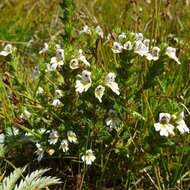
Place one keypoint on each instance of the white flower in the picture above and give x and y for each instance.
(139, 36)
(51, 151)
(58, 93)
(26, 114)
(110, 82)
(99, 92)
(171, 52)
(7, 50)
(140, 48)
(53, 137)
(56, 61)
(40, 90)
(74, 63)
(99, 31)
(181, 125)
(164, 126)
(64, 145)
(45, 48)
(113, 120)
(56, 102)
(146, 42)
(85, 30)
(127, 45)
(72, 137)
(154, 55)
(89, 157)
(39, 152)
(82, 58)
(84, 83)
(117, 47)
(122, 36)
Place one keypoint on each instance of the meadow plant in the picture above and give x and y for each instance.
(112, 107)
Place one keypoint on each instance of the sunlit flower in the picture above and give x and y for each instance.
(51, 151)
(171, 52)
(58, 93)
(40, 90)
(154, 55)
(84, 83)
(64, 145)
(56, 61)
(39, 152)
(72, 137)
(117, 47)
(7, 50)
(113, 120)
(127, 45)
(99, 31)
(82, 58)
(110, 82)
(89, 157)
(140, 48)
(164, 126)
(56, 102)
(53, 137)
(99, 92)
(85, 30)
(74, 64)
(45, 48)
(181, 125)
(122, 36)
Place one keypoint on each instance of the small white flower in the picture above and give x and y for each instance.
(26, 114)
(127, 46)
(39, 152)
(84, 83)
(122, 36)
(72, 137)
(110, 82)
(56, 61)
(82, 58)
(51, 151)
(40, 90)
(113, 120)
(140, 48)
(53, 137)
(58, 93)
(146, 42)
(181, 125)
(154, 55)
(56, 102)
(45, 48)
(64, 145)
(164, 126)
(74, 64)
(139, 36)
(85, 30)
(99, 31)
(171, 52)
(117, 47)
(89, 157)
(99, 92)
(8, 49)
